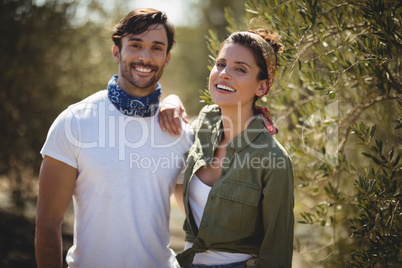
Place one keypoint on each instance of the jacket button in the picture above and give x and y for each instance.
(203, 225)
(211, 197)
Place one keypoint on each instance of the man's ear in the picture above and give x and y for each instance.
(116, 53)
(262, 90)
(167, 60)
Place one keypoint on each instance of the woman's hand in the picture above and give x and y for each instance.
(171, 109)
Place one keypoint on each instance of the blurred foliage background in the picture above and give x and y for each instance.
(336, 99)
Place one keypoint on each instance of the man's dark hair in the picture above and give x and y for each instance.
(138, 21)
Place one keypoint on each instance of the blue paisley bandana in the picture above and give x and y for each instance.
(128, 105)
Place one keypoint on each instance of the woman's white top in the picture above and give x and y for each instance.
(198, 196)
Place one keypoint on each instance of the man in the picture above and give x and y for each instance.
(109, 155)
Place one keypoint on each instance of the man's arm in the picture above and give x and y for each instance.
(56, 187)
(171, 110)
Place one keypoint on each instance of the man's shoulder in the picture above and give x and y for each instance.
(86, 107)
(91, 102)
(93, 99)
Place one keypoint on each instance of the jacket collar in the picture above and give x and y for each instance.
(247, 137)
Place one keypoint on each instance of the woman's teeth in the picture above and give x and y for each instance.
(226, 88)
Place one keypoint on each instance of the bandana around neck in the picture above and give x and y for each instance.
(132, 106)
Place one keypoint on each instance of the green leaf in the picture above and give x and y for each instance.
(396, 161)
(372, 131)
(367, 155)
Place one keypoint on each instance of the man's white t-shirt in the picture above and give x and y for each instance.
(127, 170)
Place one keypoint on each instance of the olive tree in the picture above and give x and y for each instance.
(337, 102)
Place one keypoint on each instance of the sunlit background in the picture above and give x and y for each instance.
(336, 100)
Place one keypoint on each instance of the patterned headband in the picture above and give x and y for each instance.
(270, 60)
(269, 55)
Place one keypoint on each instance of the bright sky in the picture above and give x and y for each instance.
(179, 12)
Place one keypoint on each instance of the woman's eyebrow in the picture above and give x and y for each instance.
(243, 63)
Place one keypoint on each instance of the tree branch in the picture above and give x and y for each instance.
(352, 117)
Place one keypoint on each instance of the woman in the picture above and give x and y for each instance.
(238, 186)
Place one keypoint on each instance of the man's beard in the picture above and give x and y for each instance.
(141, 82)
